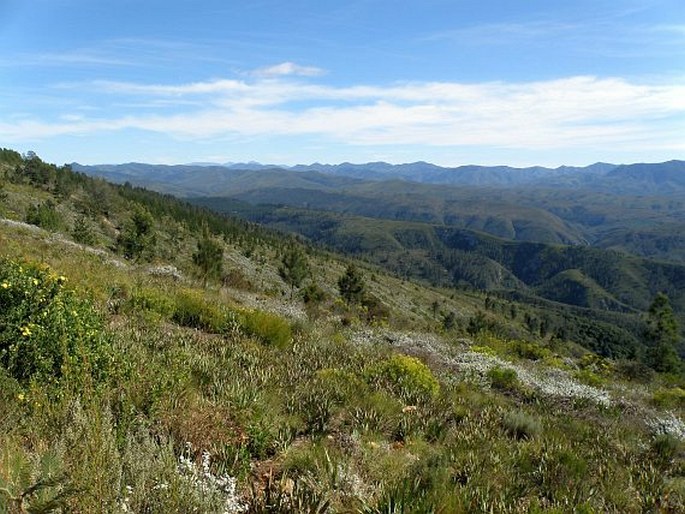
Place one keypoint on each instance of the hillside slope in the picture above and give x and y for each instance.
(451, 257)
(134, 379)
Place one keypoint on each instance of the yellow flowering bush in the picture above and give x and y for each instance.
(46, 332)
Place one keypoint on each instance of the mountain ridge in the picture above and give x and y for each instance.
(638, 178)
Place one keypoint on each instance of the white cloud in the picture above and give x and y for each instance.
(570, 113)
(194, 88)
(288, 68)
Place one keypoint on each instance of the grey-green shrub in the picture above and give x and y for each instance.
(520, 425)
(504, 379)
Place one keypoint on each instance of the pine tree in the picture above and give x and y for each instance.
(82, 231)
(209, 257)
(137, 239)
(351, 285)
(44, 215)
(294, 269)
(661, 335)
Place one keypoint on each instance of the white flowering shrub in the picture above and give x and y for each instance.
(165, 271)
(219, 490)
(668, 423)
(157, 484)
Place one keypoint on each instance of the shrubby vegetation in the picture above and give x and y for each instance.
(407, 377)
(47, 334)
(582, 293)
(44, 215)
(127, 386)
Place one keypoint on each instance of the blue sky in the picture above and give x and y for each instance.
(517, 82)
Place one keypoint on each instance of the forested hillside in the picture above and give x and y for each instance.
(639, 210)
(156, 356)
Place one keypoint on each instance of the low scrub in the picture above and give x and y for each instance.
(407, 377)
(520, 425)
(530, 351)
(268, 328)
(152, 300)
(504, 379)
(191, 309)
(669, 398)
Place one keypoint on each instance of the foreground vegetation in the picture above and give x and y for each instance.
(157, 358)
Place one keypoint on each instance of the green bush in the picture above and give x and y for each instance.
(267, 327)
(669, 398)
(46, 332)
(529, 351)
(340, 384)
(589, 377)
(318, 399)
(82, 231)
(313, 294)
(504, 379)
(44, 215)
(191, 309)
(374, 310)
(634, 370)
(407, 377)
(151, 300)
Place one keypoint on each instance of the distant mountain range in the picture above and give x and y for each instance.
(205, 178)
(636, 208)
(562, 235)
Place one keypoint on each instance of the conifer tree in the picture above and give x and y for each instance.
(662, 335)
(294, 269)
(351, 285)
(209, 257)
(82, 231)
(137, 239)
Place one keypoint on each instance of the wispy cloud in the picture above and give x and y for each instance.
(288, 68)
(575, 112)
(70, 58)
(610, 35)
(122, 52)
(224, 86)
(503, 33)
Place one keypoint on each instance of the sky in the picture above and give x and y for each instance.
(453, 82)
